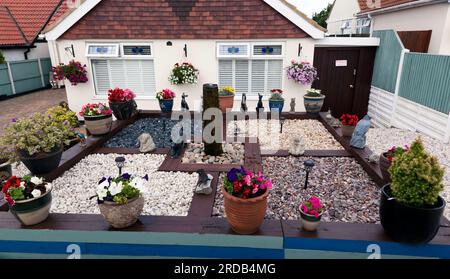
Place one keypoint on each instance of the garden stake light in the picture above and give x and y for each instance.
(309, 164)
(120, 163)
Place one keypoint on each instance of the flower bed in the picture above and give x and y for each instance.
(233, 154)
(347, 192)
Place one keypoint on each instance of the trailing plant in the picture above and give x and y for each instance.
(313, 93)
(349, 119)
(312, 206)
(120, 189)
(226, 91)
(118, 95)
(302, 72)
(99, 109)
(416, 177)
(185, 73)
(276, 95)
(396, 152)
(62, 114)
(245, 184)
(165, 94)
(28, 187)
(74, 72)
(2, 58)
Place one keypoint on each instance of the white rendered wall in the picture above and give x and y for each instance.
(40, 51)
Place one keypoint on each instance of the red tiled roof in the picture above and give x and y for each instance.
(183, 19)
(363, 4)
(28, 16)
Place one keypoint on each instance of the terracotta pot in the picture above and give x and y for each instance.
(309, 222)
(385, 164)
(98, 125)
(43, 162)
(121, 216)
(32, 211)
(245, 216)
(347, 130)
(226, 102)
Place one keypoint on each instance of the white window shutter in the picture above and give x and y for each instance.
(148, 77)
(116, 70)
(133, 73)
(241, 76)
(225, 73)
(258, 77)
(274, 74)
(101, 76)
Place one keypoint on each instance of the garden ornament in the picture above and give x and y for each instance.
(82, 139)
(260, 106)
(359, 135)
(176, 149)
(146, 143)
(292, 105)
(244, 107)
(329, 116)
(203, 183)
(184, 104)
(373, 158)
(297, 147)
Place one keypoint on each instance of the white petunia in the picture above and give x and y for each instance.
(138, 183)
(22, 185)
(102, 193)
(48, 186)
(104, 184)
(36, 193)
(115, 188)
(36, 180)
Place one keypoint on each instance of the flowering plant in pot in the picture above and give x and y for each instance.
(184, 73)
(386, 159)
(165, 98)
(245, 199)
(410, 207)
(302, 72)
(120, 199)
(313, 101)
(348, 122)
(37, 141)
(276, 100)
(65, 115)
(226, 98)
(97, 117)
(29, 198)
(122, 103)
(311, 212)
(75, 72)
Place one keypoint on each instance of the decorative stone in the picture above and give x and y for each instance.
(232, 154)
(297, 147)
(204, 183)
(146, 143)
(373, 158)
(359, 135)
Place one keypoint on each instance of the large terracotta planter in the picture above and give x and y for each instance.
(43, 162)
(385, 164)
(313, 105)
(309, 222)
(347, 130)
(98, 125)
(123, 110)
(121, 216)
(226, 102)
(32, 211)
(245, 216)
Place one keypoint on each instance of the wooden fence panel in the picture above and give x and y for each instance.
(5, 83)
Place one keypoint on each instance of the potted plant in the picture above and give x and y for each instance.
(245, 199)
(98, 118)
(349, 122)
(386, 159)
(38, 141)
(311, 212)
(313, 101)
(29, 198)
(122, 103)
(74, 72)
(410, 207)
(64, 115)
(165, 98)
(302, 72)
(184, 73)
(120, 199)
(276, 100)
(226, 98)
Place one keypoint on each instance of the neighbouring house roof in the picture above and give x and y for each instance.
(369, 6)
(22, 20)
(184, 19)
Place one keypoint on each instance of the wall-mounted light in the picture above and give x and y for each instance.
(70, 50)
(185, 51)
(169, 43)
(300, 50)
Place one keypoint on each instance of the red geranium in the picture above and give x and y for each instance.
(349, 119)
(118, 95)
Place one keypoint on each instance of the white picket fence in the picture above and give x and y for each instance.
(388, 110)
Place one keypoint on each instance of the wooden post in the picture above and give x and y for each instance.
(447, 131)
(211, 100)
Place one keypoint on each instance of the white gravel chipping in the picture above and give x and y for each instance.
(167, 194)
(379, 140)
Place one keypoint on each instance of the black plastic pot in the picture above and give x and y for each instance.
(5, 170)
(123, 110)
(409, 224)
(43, 162)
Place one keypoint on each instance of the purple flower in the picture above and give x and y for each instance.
(102, 180)
(146, 177)
(14, 120)
(232, 174)
(126, 176)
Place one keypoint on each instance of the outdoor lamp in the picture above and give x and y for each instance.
(309, 164)
(120, 162)
(282, 120)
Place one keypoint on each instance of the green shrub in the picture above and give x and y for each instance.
(2, 58)
(416, 177)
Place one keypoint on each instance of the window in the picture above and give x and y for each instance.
(363, 26)
(270, 49)
(136, 50)
(102, 50)
(233, 50)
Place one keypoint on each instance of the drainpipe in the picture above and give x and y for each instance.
(372, 21)
(26, 53)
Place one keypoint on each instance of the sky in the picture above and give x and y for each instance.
(310, 6)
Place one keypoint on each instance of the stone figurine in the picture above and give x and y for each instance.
(146, 143)
(184, 104)
(260, 106)
(176, 149)
(297, 147)
(329, 116)
(359, 135)
(292, 105)
(244, 107)
(203, 183)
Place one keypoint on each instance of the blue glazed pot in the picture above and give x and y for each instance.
(276, 105)
(313, 105)
(166, 105)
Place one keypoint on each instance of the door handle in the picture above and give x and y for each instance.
(351, 86)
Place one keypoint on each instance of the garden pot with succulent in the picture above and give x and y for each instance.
(98, 118)
(226, 98)
(75, 72)
(122, 103)
(184, 73)
(311, 212)
(386, 159)
(38, 141)
(276, 100)
(120, 199)
(348, 122)
(165, 99)
(29, 198)
(245, 199)
(410, 207)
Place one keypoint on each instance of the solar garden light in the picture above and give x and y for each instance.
(120, 162)
(309, 164)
